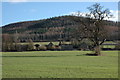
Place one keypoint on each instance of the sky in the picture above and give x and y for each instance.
(27, 11)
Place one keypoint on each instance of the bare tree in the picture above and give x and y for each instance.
(93, 28)
(7, 42)
(96, 31)
(16, 41)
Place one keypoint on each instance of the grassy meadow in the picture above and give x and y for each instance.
(59, 64)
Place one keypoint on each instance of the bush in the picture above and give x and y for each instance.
(24, 47)
(11, 47)
(51, 47)
(117, 47)
(18, 47)
(75, 43)
(30, 45)
(58, 47)
(37, 46)
(43, 48)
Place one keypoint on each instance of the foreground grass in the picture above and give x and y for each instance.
(59, 64)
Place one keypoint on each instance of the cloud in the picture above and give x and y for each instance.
(78, 13)
(18, 0)
(113, 12)
(115, 15)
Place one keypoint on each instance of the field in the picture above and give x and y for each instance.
(59, 64)
(45, 43)
(57, 43)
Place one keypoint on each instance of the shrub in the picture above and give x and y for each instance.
(37, 46)
(117, 47)
(30, 45)
(51, 47)
(11, 47)
(75, 43)
(43, 48)
(18, 47)
(24, 47)
(58, 47)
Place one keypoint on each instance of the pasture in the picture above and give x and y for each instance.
(57, 43)
(45, 43)
(59, 64)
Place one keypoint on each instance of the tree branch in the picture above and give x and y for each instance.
(102, 42)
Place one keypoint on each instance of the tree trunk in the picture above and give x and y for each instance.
(97, 50)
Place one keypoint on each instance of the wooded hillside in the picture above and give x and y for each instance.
(54, 28)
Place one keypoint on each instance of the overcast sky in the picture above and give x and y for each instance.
(26, 11)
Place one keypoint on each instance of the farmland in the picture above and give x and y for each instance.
(59, 64)
(57, 43)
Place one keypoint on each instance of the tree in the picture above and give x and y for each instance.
(7, 42)
(93, 28)
(17, 46)
(30, 45)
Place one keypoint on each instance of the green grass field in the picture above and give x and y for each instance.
(59, 64)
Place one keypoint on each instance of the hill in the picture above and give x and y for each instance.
(38, 25)
(52, 26)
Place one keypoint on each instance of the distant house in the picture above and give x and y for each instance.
(50, 44)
